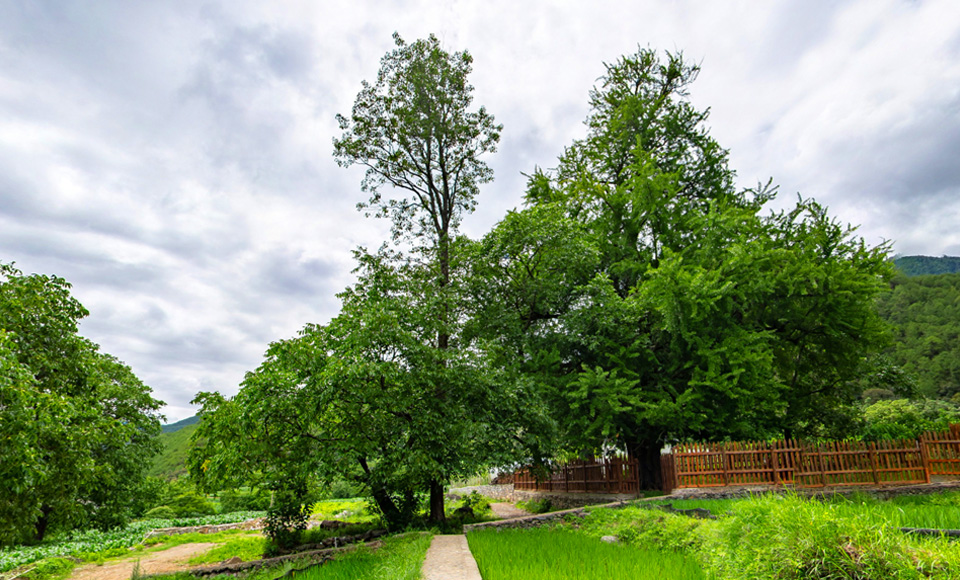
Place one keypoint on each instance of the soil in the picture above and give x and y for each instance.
(163, 562)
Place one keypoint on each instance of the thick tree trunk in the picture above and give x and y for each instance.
(647, 454)
(386, 505)
(436, 502)
(43, 522)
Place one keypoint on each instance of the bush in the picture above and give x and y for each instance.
(161, 512)
(906, 419)
(191, 504)
(286, 520)
(536, 506)
(342, 489)
(235, 500)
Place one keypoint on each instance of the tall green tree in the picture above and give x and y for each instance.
(415, 131)
(700, 317)
(79, 427)
(358, 399)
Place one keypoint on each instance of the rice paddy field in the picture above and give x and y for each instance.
(564, 554)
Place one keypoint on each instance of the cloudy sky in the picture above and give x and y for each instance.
(173, 159)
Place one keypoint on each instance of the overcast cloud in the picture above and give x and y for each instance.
(173, 159)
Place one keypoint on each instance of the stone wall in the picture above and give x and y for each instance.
(558, 500)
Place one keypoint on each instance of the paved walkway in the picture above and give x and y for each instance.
(506, 511)
(449, 558)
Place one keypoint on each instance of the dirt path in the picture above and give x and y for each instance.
(507, 511)
(449, 558)
(166, 561)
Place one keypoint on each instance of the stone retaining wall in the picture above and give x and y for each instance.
(557, 499)
(256, 524)
(539, 519)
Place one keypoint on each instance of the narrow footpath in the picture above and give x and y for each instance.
(449, 558)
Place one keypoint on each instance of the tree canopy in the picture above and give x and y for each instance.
(78, 427)
(688, 312)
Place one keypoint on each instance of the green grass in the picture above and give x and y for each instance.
(247, 548)
(400, 558)
(353, 510)
(563, 554)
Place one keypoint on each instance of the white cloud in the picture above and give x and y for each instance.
(173, 160)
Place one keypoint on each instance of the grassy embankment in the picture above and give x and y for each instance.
(771, 537)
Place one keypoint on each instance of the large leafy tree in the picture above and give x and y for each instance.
(361, 398)
(78, 427)
(700, 317)
(416, 132)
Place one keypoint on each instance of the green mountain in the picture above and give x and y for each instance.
(925, 313)
(924, 265)
(180, 424)
(171, 462)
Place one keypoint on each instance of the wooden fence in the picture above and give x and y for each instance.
(613, 475)
(802, 464)
(785, 462)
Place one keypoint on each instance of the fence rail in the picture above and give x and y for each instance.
(785, 462)
(613, 475)
(803, 464)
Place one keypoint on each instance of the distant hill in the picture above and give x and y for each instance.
(171, 462)
(925, 313)
(924, 265)
(180, 424)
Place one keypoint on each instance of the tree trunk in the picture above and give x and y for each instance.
(43, 522)
(436, 502)
(386, 505)
(647, 453)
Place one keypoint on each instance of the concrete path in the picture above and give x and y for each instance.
(506, 511)
(449, 558)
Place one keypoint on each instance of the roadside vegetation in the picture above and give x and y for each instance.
(788, 537)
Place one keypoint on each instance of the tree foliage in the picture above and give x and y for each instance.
(685, 312)
(78, 428)
(367, 397)
(925, 314)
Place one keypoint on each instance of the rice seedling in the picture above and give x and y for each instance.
(563, 554)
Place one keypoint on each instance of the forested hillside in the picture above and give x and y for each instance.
(924, 265)
(925, 311)
(180, 424)
(172, 460)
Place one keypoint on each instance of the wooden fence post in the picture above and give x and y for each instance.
(872, 447)
(924, 455)
(723, 459)
(775, 464)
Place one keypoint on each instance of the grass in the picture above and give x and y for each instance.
(353, 510)
(564, 554)
(791, 537)
(246, 548)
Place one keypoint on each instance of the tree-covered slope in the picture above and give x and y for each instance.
(925, 311)
(180, 424)
(924, 265)
(172, 460)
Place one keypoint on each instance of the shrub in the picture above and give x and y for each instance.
(161, 512)
(236, 500)
(536, 506)
(191, 504)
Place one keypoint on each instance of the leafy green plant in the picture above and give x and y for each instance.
(161, 513)
(536, 506)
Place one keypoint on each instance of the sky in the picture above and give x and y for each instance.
(173, 160)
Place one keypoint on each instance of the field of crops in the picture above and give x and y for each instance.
(564, 554)
(82, 544)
